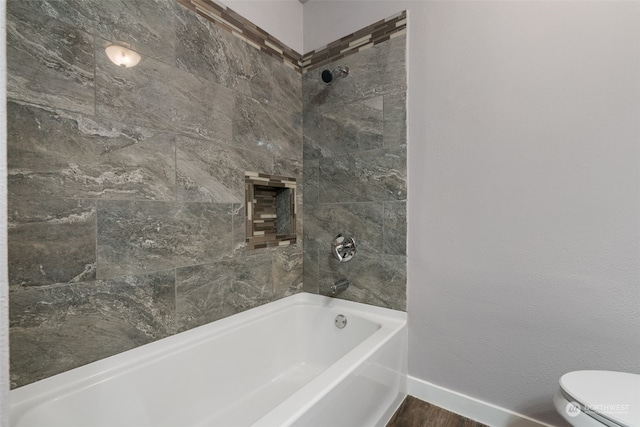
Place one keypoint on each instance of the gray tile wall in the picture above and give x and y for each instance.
(355, 175)
(126, 221)
(126, 216)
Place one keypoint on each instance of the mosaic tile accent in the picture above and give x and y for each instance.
(269, 210)
(255, 36)
(245, 30)
(362, 39)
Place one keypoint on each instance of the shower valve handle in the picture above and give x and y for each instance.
(344, 247)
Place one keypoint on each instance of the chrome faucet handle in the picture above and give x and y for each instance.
(344, 247)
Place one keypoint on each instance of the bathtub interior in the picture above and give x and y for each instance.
(367, 395)
(231, 377)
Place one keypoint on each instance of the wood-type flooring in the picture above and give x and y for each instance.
(414, 412)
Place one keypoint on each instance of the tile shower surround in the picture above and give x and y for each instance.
(355, 175)
(126, 214)
(126, 185)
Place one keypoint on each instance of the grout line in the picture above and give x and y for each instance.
(119, 200)
(384, 212)
(362, 203)
(175, 301)
(175, 153)
(95, 75)
(97, 234)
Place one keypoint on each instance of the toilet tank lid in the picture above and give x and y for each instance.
(613, 395)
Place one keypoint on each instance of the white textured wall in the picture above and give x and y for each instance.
(280, 18)
(524, 190)
(4, 287)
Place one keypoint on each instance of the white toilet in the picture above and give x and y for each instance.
(599, 398)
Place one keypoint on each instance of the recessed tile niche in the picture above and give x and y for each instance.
(270, 210)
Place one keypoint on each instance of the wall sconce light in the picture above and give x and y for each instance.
(122, 56)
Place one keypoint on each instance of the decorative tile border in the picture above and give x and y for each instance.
(244, 29)
(255, 36)
(261, 212)
(362, 39)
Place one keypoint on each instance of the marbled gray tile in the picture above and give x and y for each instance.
(211, 171)
(271, 130)
(239, 228)
(375, 279)
(349, 176)
(284, 211)
(310, 265)
(209, 292)
(212, 53)
(275, 84)
(377, 175)
(377, 71)
(287, 271)
(311, 182)
(59, 327)
(363, 221)
(293, 168)
(51, 241)
(299, 226)
(137, 236)
(395, 119)
(164, 97)
(190, 91)
(52, 153)
(311, 150)
(344, 129)
(395, 228)
(110, 151)
(290, 167)
(48, 62)
(145, 26)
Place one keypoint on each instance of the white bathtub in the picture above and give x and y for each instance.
(282, 364)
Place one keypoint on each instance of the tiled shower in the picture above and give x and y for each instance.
(126, 185)
(355, 167)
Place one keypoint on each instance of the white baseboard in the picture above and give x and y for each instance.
(467, 406)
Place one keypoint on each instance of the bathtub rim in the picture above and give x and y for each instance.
(22, 399)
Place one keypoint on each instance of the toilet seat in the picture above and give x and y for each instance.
(608, 398)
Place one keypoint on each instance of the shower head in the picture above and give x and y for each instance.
(328, 75)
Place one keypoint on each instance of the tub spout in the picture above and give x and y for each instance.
(339, 286)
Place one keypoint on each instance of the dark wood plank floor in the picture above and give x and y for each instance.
(414, 412)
